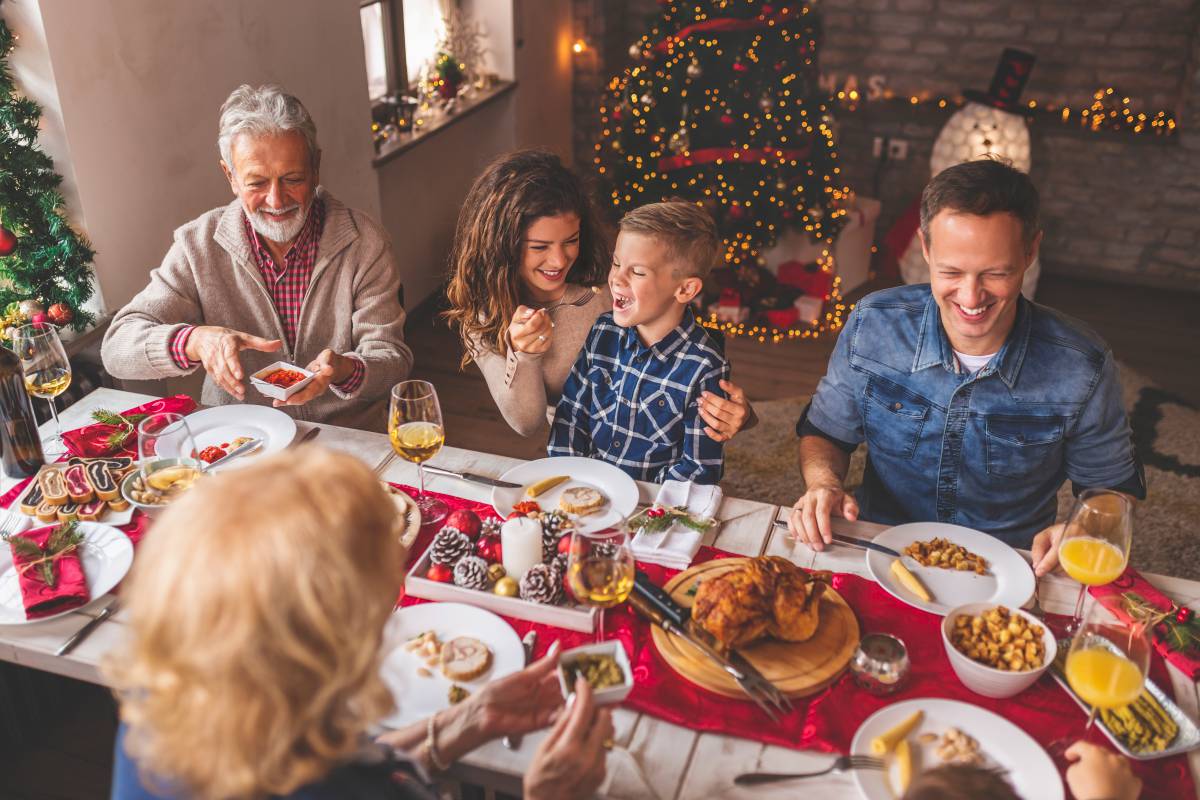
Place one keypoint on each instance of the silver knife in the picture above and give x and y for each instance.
(865, 544)
(529, 641)
(240, 450)
(87, 629)
(471, 476)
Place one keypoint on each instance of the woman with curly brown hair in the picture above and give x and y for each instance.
(528, 280)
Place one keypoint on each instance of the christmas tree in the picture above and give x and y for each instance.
(722, 105)
(44, 263)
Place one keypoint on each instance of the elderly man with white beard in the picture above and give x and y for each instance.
(284, 272)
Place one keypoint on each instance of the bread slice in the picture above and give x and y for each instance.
(465, 658)
(79, 489)
(581, 500)
(102, 480)
(46, 512)
(54, 488)
(90, 512)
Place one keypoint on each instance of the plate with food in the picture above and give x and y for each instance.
(944, 566)
(594, 494)
(439, 654)
(86, 489)
(106, 554)
(920, 734)
(222, 426)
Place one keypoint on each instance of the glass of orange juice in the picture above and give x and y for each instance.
(1107, 663)
(1094, 548)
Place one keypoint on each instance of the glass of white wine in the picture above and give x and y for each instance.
(415, 429)
(167, 453)
(600, 570)
(47, 372)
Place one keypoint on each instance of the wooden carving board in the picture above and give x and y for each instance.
(796, 668)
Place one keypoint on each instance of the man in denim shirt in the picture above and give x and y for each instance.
(975, 403)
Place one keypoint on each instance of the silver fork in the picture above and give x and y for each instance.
(582, 300)
(842, 764)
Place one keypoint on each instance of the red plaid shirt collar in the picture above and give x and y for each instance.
(287, 285)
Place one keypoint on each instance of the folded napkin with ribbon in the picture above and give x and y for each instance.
(49, 570)
(116, 434)
(1133, 598)
(670, 532)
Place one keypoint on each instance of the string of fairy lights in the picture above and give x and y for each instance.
(770, 162)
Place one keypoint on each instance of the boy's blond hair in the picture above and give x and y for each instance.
(686, 229)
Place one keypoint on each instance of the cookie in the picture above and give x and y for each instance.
(581, 500)
(465, 658)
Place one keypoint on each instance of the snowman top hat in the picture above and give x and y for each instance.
(1012, 73)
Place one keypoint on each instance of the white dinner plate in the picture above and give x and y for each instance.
(106, 554)
(1009, 580)
(222, 424)
(619, 488)
(418, 696)
(1026, 765)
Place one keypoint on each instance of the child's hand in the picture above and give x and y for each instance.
(530, 329)
(1100, 774)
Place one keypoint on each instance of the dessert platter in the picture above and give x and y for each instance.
(915, 735)
(789, 624)
(441, 653)
(221, 426)
(594, 494)
(106, 554)
(86, 489)
(944, 566)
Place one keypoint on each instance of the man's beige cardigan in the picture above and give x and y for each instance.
(209, 277)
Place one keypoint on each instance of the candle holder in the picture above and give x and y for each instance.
(880, 664)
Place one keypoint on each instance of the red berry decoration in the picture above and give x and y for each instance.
(654, 513)
(60, 314)
(465, 520)
(442, 573)
(1183, 615)
(38, 320)
(488, 548)
(564, 544)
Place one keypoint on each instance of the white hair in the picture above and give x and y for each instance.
(265, 111)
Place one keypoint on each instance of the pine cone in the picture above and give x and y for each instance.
(554, 525)
(490, 527)
(449, 546)
(539, 585)
(558, 568)
(471, 572)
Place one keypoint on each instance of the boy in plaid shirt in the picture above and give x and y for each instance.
(631, 398)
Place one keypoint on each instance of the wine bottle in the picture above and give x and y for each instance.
(20, 444)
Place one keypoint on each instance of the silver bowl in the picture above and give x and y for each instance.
(154, 466)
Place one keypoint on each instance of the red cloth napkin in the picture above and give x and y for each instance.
(91, 441)
(1131, 580)
(827, 720)
(41, 600)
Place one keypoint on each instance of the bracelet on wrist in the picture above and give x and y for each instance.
(435, 758)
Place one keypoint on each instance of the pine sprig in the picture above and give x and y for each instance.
(124, 422)
(1183, 637)
(65, 537)
(659, 523)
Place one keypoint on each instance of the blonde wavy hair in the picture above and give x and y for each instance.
(256, 606)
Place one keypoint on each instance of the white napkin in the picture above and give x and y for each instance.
(677, 545)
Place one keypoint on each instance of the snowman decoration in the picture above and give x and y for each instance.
(989, 125)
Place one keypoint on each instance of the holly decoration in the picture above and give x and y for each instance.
(440, 573)
(1176, 626)
(659, 518)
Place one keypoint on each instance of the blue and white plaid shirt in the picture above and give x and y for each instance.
(636, 407)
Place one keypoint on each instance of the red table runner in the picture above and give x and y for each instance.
(827, 720)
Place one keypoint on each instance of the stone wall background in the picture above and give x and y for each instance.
(1116, 207)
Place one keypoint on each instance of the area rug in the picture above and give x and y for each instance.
(761, 464)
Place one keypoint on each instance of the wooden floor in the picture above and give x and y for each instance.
(1154, 332)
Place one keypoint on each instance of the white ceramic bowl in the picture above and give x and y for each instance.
(989, 681)
(279, 392)
(603, 697)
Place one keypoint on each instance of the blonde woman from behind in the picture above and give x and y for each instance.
(256, 611)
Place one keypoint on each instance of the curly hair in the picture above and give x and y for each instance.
(256, 609)
(514, 191)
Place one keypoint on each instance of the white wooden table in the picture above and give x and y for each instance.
(654, 759)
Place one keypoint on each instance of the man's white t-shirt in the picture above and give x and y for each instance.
(973, 364)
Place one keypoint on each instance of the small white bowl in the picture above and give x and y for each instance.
(989, 681)
(279, 392)
(603, 697)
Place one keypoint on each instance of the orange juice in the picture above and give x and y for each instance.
(1093, 562)
(1103, 678)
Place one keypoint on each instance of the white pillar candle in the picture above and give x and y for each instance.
(521, 545)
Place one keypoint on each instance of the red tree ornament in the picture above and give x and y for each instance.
(60, 314)
(464, 519)
(488, 548)
(440, 573)
(8, 241)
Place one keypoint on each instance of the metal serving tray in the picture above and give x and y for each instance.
(1187, 739)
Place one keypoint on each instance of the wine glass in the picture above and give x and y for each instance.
(415, 429)
(600, 570)
(167, 452)
(1107, 662)
(1094, 548)
(47, 372)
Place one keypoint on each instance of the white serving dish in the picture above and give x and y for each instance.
(109, 517)
(575, 618)
(989, 681)
(278, 392)
(610, 695)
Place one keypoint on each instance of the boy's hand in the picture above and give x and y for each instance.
(1100, 774)
(529, 330)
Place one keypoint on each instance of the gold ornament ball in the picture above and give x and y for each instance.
(506, 587)
(496, 572)
(30, 307)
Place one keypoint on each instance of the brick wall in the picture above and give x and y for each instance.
(1115, 206)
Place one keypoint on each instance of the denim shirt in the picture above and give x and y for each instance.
(988, 450)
